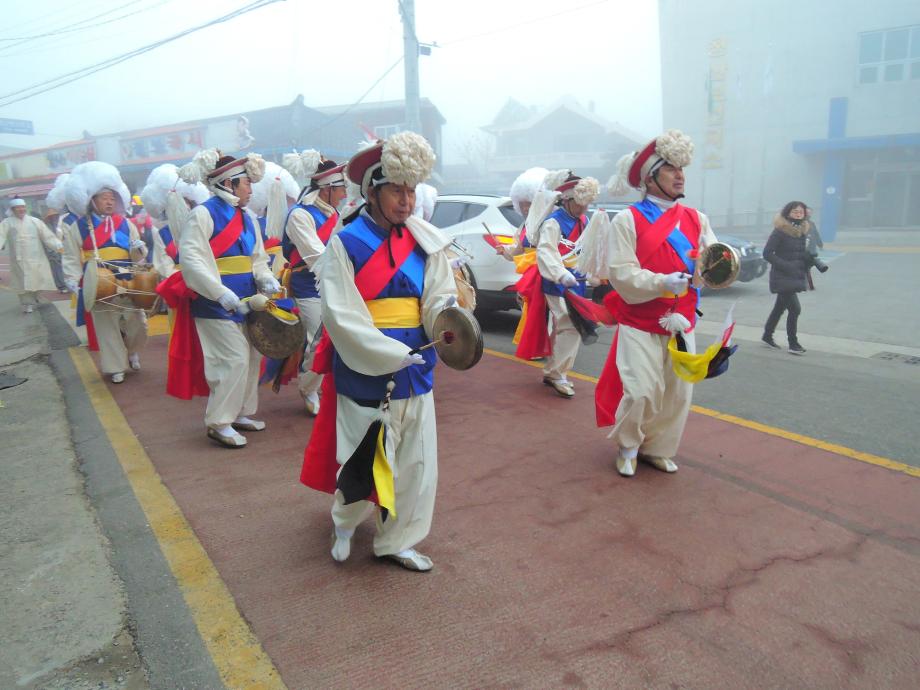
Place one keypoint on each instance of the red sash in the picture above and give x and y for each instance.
(185, 363)
(230, 234)
(324, 233)
(271, 243)
(319, 464)
(535, 341)
(172, 251)
(102, 233)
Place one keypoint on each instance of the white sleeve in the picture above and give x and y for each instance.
(162, 262)
(260, 269)
(360, 344)
(549, 261)
(4, 232)
(632, 282)
(198, 265)
(707, 236)
(72, 259)
(301, 229)
(440, 286)
(48, 238)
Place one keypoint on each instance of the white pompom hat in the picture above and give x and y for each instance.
(673, 147)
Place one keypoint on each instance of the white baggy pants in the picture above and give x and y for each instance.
(655, 404)
(309, 381)
(564, 337)
(231, 367)
(120, 332)
(412, 450)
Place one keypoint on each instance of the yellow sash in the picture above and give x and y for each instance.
(524, 261)
(234, 265)
(395, 312)
(107, 254)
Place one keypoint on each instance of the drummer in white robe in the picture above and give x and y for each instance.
(96, 194)
(28, 237)
(223, 260)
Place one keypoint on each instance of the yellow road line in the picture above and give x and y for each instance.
(757, 426)
(237, 654)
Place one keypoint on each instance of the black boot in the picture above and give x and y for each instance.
(795, 348)
(769, 342)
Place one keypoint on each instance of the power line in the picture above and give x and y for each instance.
(524, 23)
(21, 40)
(70, 77)
(359, 101)
(76, 27)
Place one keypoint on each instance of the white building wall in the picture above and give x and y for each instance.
(774, 67)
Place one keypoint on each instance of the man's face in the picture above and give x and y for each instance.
(19, 212)
(395, 202)
(104, 202)
(670, 180)
(525, 207)
(243, 190)
(336, 194)
(574, 208)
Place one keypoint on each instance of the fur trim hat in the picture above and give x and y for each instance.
(204, 168)
(274, 174)
(302, 165)
(164, 179)
(87, 180)
(406, 158)
(673, 147)
(583, 190)
(55, 199)
(526, 185)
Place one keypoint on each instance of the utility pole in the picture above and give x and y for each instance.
(410, 59)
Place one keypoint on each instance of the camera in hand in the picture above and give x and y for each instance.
(817, 263)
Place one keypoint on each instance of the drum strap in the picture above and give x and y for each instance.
(395, 312)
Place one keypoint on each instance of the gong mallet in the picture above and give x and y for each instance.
(446, 337)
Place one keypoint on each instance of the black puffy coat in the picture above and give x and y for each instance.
(788, 257)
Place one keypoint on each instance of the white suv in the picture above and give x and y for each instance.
(464, 218)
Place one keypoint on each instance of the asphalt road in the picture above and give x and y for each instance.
(840, 391)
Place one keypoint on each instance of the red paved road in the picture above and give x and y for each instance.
(762, 563)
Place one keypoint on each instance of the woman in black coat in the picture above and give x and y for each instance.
(789, 263)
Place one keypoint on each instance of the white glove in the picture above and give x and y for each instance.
(269, 285)
(676, 282)
(229, 301)
(409, 360)
(73, 286)
(568, 280)
(138, 245)
(451, 302)
(458, 262)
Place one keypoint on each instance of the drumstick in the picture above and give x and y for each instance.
(446, 337)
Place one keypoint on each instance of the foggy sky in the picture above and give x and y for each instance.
(331, 52)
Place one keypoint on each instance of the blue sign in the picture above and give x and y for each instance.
(8, 126)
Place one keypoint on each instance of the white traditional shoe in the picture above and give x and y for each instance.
(311, 403)
(118, 377)
(663, 464)
(341, 544)
(134, 360)
(562, 386)
(226, 436)
(246, 424)
(27, 309)
(410, 559)
(626, 466)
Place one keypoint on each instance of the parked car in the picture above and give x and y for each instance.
(468, 220)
